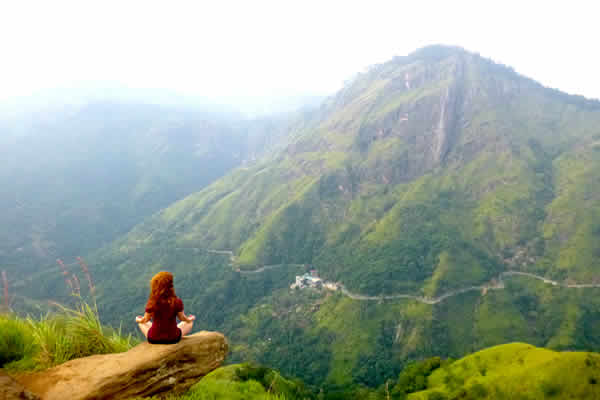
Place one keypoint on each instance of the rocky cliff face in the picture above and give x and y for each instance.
(145, 370)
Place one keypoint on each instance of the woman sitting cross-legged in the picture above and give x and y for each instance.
(162, 308)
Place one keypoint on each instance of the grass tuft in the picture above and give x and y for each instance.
(30, 344)
(16, 340)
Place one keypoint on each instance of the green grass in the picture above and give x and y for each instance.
(35, 344)
(16, 339)
(244, 382)
(517, 371)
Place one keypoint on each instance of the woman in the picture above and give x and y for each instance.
(162, 307)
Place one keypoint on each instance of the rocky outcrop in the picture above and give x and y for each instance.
(145, 370)
(12, 390)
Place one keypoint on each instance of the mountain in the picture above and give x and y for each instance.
(419, 167)
(419, 189)
(76, 175)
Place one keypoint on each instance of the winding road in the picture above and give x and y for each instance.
(496, 283)
(266, 267)
(422, 299)
(253, 271)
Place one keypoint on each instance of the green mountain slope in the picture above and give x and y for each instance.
(429, 172)
(516, 371)
(428, 176)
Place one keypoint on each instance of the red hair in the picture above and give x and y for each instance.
(162, 291)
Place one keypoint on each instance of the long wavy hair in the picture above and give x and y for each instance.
(162, 292)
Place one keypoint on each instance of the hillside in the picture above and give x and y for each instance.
(425, 176)
(420, 167)
(516, 371)
(76, 176)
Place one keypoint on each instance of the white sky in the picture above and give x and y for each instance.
(247, 48)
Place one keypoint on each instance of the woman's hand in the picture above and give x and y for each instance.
(185, 318)
(142, 320)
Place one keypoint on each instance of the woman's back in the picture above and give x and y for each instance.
(163, 308)
(164, 323)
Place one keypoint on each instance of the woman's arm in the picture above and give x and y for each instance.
(142, 320)
(184, 318)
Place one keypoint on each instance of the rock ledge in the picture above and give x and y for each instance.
(145, 370)
(11, 390)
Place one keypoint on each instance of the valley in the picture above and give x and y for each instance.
(496, 283)
(449, 201)
(278, 200)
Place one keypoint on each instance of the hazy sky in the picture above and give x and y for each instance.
(250, 48)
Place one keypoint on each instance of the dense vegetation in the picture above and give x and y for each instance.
(246, 381)
(424, 175)
(516, 371)
(35, 344)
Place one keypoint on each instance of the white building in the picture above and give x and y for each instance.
(310, 280)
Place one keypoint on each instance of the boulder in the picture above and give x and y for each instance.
(146, 370)
(12, 390)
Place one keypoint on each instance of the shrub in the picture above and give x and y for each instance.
(250, 371)
(16, 340)
(436, 396)
(550, 389)
(478, 391)
(271, 380)
(414, 376)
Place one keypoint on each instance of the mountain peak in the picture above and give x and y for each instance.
(438, 51)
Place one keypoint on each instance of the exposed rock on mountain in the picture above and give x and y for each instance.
(12, 390)
(145, 370)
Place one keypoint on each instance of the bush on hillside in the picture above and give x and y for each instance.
(550, 389)
(436, 396)
(413, 377)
